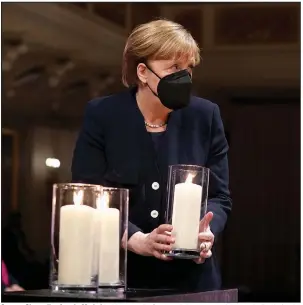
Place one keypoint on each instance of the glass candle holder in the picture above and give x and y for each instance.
(186, 205)
(72, 245)
(111, 225)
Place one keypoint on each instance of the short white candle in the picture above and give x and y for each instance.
(75, 243)
(186, 214)
(107, 224)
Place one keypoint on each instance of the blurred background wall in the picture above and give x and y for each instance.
(56, 57)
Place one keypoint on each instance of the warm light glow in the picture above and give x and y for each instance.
(103, 201)
(52, 162)
(189, 178)
(78, 197)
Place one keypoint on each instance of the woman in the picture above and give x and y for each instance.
(129, 139)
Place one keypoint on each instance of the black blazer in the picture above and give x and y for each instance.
(114, 149)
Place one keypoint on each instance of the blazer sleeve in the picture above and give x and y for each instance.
(89, 162)
(219, 201)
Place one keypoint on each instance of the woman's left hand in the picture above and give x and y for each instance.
(206, 238)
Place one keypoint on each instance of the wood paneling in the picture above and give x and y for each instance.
(193, 22)
(111, 11)
(83, 5)
(144, 12)
(246, 25)
(261, 245)
(10, 170)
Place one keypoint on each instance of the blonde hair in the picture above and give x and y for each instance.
(158, 39)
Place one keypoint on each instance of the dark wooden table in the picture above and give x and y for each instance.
(133, 295)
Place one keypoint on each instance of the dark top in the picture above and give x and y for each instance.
(114, 149)
(156, 137)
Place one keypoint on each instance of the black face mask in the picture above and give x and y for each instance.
(174, 90)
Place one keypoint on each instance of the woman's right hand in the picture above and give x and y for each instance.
(159, 240)
(154, 243)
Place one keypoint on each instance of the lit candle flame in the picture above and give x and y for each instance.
(103, 201)
(189, 178)
(78, 197)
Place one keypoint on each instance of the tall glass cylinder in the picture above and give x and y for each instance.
(111, 225)
(186, 205)
(72, 244)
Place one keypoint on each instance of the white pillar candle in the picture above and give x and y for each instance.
(108, 225)
(186, 214)
(96, 240)
(75, 243)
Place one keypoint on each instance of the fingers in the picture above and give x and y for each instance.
(162, 247)
(163, 228)
(206, 236)
(204, 223)
(207, 240)
(161, 238)
(161, 256)
(205, 246)
(163, 242)
(199, 260)
(205, 255)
